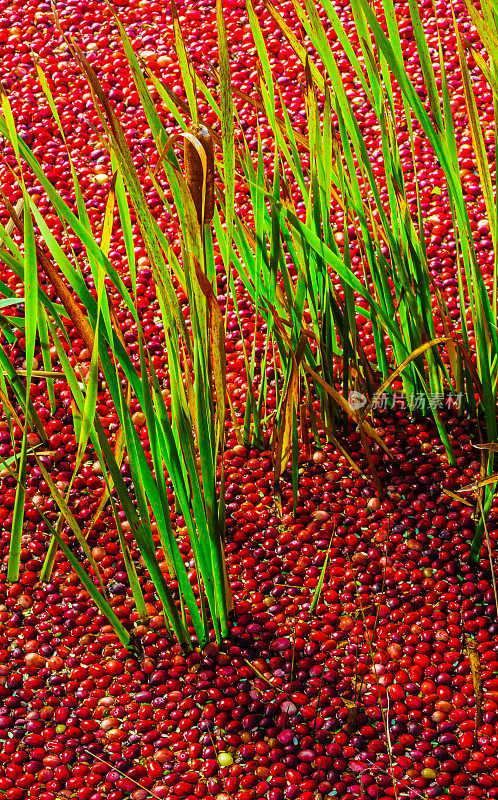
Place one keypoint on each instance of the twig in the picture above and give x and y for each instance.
(121, 773)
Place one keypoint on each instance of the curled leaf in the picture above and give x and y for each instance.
(199, 171)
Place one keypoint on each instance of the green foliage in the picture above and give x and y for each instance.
(300, 282)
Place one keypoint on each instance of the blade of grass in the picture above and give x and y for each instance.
(318, 590)
(186, 67)
(477, 137)
(14, 561)
(227, 130)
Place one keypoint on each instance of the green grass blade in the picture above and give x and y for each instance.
(319, 586)
(296, 45)
(18, 514)
(45, 352)
(227, 129)
(69, 517)
(295, 460)
(321, 42)
(146, 101)
(126, 227)
(426, 65)
(90, 405)
(92, 590)
(155, 441)
(131, 572)
(477, 138)
(186, 67)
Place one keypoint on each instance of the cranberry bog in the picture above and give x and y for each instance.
(248, 381)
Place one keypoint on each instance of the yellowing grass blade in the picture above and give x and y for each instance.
(80, 203)
(487, 35)
(119, 451)
(477, 137)
(426, 64)
(290, 404)
(344, 404)
(86, 580)
(145, 219)
(316, 30)
(92, 590)
(68, 515)
(188, 73)
(476, 485)
(296, 45)
(493, 446)
(90, 405)
(458, 498)
(483, 66)
(227, 130)
(139, 70)
(476, 670)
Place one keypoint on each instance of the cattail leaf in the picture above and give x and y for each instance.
(145, 219)
(21, 395)
(92, 590)
(18, 513)
(141, 528)
(119, 451)
(69, 517)
(320, 41)
(217, 335)
(296, 45)
(136, 67)
(476, 670)
(131, 571)
(399, 369)
(486, 33)
(262, 51)
(90, 405)
(227, 130)
(99, 599)
(8, 243)
(477, 137)
(321, 579)
(89, 408)
(46, 357)
(108, 223)
(426, 64)
(483, 66)
(80, 202)
(126, 226)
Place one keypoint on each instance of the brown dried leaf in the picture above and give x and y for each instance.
(476, 669)
(199, 176)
